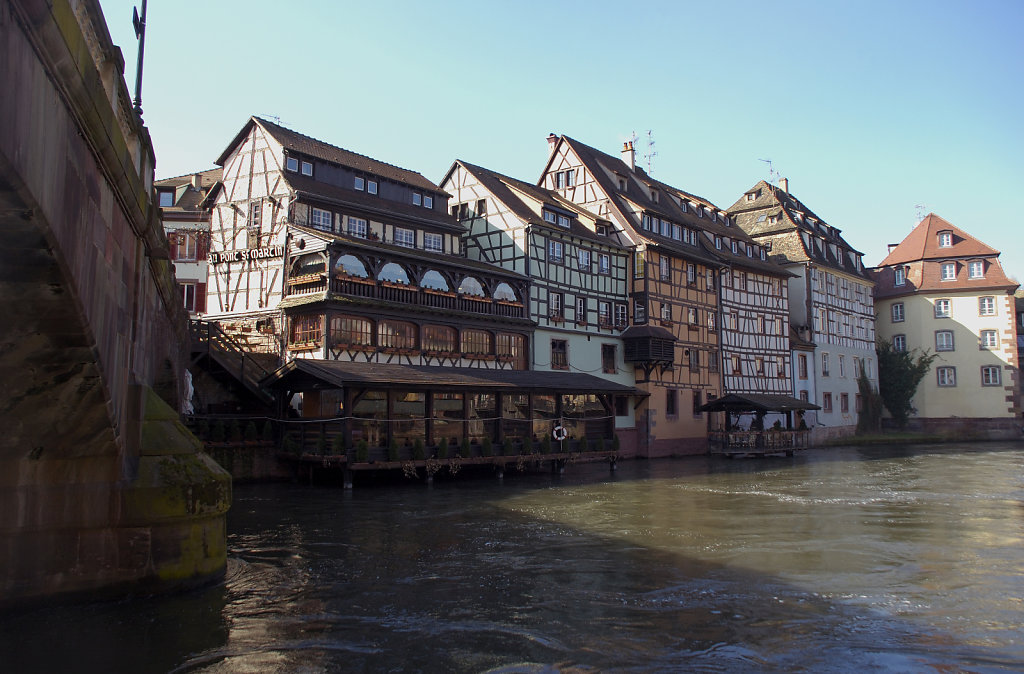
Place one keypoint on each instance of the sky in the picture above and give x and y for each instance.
(876, 112)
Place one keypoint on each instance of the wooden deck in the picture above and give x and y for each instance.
(757, 443)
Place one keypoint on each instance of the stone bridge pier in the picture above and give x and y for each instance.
(101, 487)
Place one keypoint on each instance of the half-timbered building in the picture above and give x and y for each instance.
(185, 204)
(342, 259)
(830, 301)
(673, 340)
(576, 265)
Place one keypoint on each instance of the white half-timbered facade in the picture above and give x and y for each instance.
(830, 300)
(578, 273)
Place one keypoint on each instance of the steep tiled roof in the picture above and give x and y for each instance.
(187, 197)
(511, 193)
(776, 215)
(311, 147)
(923, 244)
(314, 190)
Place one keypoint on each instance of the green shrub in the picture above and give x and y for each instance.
(362, 452)
(545, 444)
(250, 431)
(466, 448)
(442, 448)
(338, 444)
(393, 449)
(527, 445)
(508, 449)
(584, 445)
(486, 447)
(417, 450)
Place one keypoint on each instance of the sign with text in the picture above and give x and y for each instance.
(218, 256)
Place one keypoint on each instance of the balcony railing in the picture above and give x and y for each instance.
(388, 291)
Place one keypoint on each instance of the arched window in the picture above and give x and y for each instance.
(351, 265)
(438, 338)
(504, 292)
(471, 286)
(433, 279)
(393, 272)
(351, 330)
(477, 341)
(312, 263)
(396, 334)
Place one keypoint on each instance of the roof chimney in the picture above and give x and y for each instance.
(784, 185)
(892, 245)
(197, 180)
(627, 154)
(552, 139)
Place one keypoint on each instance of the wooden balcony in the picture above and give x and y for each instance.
(754, 443)
(399, 293)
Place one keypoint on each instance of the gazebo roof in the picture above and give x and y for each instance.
(757, 402)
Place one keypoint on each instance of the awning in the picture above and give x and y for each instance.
(757, 402)
(308, 374)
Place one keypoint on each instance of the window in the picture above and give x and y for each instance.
(842, 366)
(563, 221)
(639, 311)
(555, 304)
(826, 402)
(359, 183)
(759, 365)
(945, 239)
(550, 217)
(604, 314)
(899, 276)
(976, 269)
(638, 264)
(844, 402)
(801, 365)
(718, 242)
(941, 308)
(697, 402)
(417, 199)
(665, 268)
(559, 354)
(583, 258)
(989, 339)
(556, 251)
(405, 237)
(351, 330)
(897, 312)
(371, 186)
(357, 227)
(691, 274)
(946, 376)
(481, 207)
(428, 201)
(824, 365)
(438, 338)
(987, 306)
(899, 343)
(620, 315)
(666, 313)
(581, 309)
(990, 375)
(185, 247)
(735, 248)
(304, 330)
(433, 242)
(166, 198)
(604, 263)
(780, 367)
(477, 342)
(943, 340)
(711, 321)
(291, 164)
(691, 316)
(565, 179)
(671, 403)
(949, 271)
(307, 168)
(713, 360)
(608, 358)
(188, 296)
(735, 364)
(621, 406)
(513, 346)
(322, 219)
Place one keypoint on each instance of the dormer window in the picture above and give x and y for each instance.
(945, 239)
(654, 196)
(750, 251)
(291, 164)
(735, 248)
(166, 198)
(550, 217)
(602, 230)
(417, 199)
(359, 183)
(948, 271)
(563, 221)
(976, 269)
(762, 254)
(307, 168)
(899, 276)
(751, 196)
(428, 201)
(718, 242)
(622, 184)
(371, 186)
(772, 219)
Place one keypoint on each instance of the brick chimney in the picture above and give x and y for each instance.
(197, 180)
(784, 185)
(552, 139)
(628, 155)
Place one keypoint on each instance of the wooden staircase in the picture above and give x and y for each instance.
(210, 340)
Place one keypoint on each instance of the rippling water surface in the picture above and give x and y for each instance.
(883, 559)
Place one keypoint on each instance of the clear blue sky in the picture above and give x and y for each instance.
(869, 108)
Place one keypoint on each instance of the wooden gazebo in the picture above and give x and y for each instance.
(758, 440)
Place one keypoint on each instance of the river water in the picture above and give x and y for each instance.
(852, 559)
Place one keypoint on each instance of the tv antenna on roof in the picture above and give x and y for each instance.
(277, 120)
(773, 175)
(920, 209)
(651, 152)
